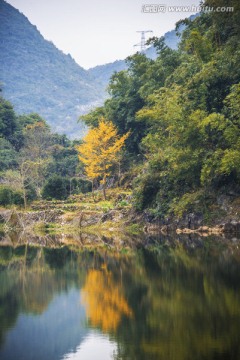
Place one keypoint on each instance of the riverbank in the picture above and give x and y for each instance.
(221, 216)
(91, 219)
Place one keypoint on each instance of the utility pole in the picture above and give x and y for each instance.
(142, 44)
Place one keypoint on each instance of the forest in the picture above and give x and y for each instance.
(178, 117)
(182, 112)
(34, 162)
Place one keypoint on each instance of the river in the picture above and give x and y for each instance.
(173, 299)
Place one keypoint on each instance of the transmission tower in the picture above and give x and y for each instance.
(142, 44)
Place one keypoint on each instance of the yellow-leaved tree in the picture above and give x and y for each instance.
(100, 150)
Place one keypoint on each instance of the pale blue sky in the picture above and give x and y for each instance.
(97, 32)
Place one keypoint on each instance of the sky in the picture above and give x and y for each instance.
(98, 32)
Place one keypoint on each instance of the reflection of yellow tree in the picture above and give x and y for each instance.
(104, 301)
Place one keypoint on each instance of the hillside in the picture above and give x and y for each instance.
(178, 117)
(104, 72)
(182, 114)
(37, 77)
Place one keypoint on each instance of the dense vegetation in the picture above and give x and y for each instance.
(182, 111)
(181, 114)
(35, 162)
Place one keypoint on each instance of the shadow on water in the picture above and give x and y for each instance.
(173, 298)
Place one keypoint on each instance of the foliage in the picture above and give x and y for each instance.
(100, 150)
(8, 155)
(30, 154)
(178, 116)
(64, 160)
(183, 113)
(188, 203)
(58, 187)
(10, 197)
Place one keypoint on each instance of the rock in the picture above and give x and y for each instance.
(203, 229)
(113, 215)
(232, 226)
(108, 216)
(190, 221)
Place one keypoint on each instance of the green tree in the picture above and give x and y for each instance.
(7, 119)
(56, 187)
(35, 157)
(8, 155)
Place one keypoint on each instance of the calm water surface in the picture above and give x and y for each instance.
(175, 302)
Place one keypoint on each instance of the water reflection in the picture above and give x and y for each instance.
(94, 346)
(166, 302)
(104, 300)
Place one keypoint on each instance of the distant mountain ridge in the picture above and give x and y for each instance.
(104, 72)
(37, 77)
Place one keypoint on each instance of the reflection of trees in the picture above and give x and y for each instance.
(187, 322)
(57, 258)
(168, 304)
(104, 300)
(9, 309)
(189, 312)
(28, 282)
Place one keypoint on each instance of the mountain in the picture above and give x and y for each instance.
(104, 72)
(37, 77)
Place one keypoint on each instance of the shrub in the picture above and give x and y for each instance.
(80, 186)
(189, 202)
(145, 191)
(8, 196)
(57, 187)
(31, 193)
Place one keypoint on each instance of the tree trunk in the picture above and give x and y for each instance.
(24, 195)
(25, 199)
(104, 187)
(104, 193)
(119, 172)
(93, 191)
(80, 219)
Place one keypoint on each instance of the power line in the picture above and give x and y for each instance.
(142, 44)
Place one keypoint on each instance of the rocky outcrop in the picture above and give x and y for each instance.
(192, 223)
(232, 227)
